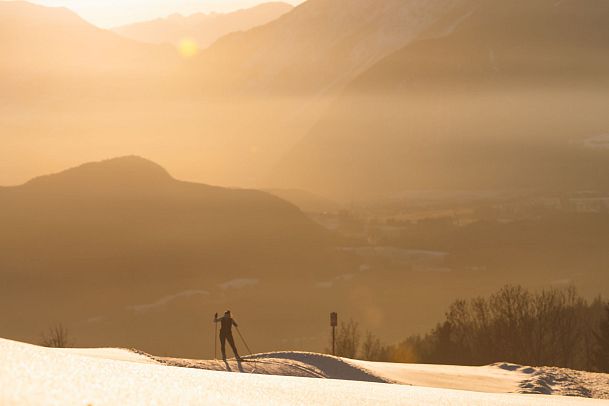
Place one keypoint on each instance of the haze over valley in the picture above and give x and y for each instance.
(436, 172)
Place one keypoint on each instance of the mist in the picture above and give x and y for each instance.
(388, 162)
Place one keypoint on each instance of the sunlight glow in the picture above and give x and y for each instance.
(188, 48)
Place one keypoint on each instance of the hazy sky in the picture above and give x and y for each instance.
(109, 13)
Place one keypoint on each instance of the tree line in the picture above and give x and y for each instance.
(551, 327)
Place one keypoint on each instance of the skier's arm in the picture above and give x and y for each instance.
(216, 319)
(235, 323)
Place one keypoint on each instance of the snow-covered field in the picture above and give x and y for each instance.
(497, 378)
(31, 375)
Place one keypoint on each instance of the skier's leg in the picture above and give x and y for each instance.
(231, 341)
(223, 345)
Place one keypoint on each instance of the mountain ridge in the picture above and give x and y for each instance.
(55, 40)
(503, 79)
(203, 28)
(122, 166)
(319, 45)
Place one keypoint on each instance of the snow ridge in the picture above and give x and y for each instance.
(292, 363)
(560, 381)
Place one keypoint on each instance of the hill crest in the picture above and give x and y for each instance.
(127, 169)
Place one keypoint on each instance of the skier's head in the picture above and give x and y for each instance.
(227, 313)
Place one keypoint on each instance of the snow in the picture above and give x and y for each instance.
(496, 378)
(115, 354)
(567, 382)
(31, 375)
(483, 379)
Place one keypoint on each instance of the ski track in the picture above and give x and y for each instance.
(300, 364)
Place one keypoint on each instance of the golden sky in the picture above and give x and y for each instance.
(110, 13)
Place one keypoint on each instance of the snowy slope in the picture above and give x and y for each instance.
(482, 379)
(496, 378)
(35, 375)
(115, 354)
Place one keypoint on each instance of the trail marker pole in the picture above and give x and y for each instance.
(215, 340)
(333, 324)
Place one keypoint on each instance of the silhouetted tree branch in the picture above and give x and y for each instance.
(56, 337)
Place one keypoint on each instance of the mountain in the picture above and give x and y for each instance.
(95, 94)
(84, 92)
(133, 205)
(204, 29)
(121, 242)
(279, 78)
(318, 46)
(493, 96)
(38, 40)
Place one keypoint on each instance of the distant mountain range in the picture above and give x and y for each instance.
(343, 98)
(494, 95)
(202, 28)
(53, 41)
(318, 47)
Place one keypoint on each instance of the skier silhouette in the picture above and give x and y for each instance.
(226, 333)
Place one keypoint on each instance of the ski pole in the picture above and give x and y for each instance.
(248, 349)
(244, 342)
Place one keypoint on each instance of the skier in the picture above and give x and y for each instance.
(226, 333)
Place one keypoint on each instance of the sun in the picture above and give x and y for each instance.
(188, 47)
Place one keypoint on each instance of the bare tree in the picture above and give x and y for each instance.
(372, 349)
(56, 337)
(601, 355)
(348, 339)
(549, 327)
